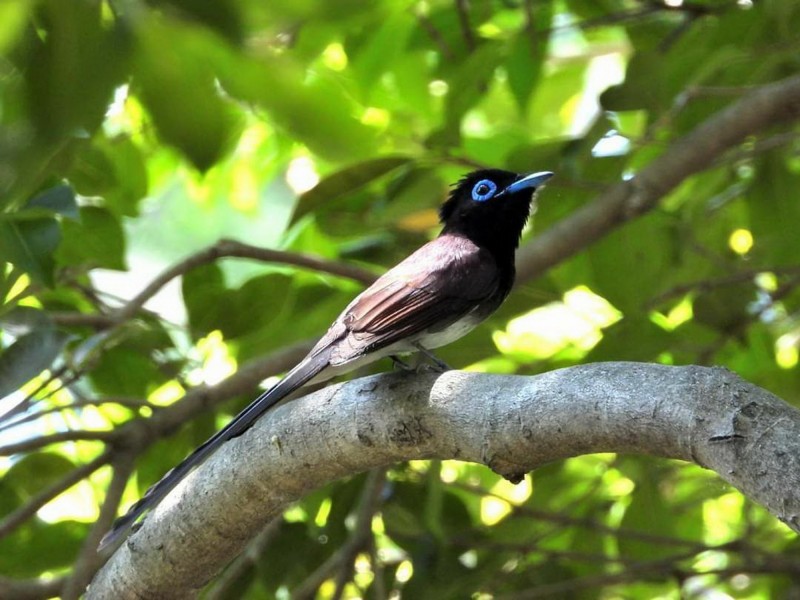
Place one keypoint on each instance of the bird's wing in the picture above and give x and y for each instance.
(434, 287)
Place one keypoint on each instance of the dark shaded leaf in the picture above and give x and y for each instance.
(59, 200)
(527, 53)
(179, 90)
(346, 182)
(28, 356)
(29, 245)
(97, 241)
(38, 547)
(34, 472)
(74, 69)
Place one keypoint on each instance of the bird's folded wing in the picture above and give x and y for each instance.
(422, 295)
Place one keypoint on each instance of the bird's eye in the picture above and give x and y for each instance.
(483, 190)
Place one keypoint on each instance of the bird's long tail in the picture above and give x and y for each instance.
(309, 368)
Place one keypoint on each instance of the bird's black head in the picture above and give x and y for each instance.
(491, 207)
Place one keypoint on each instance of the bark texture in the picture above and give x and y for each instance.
(512, 424)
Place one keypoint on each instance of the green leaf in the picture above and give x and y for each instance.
(774, 210)
(123, 371)
(13, 16)
(650, 511)
(37, 548)
(29, 245)
(97, 241)
(643, 87)
(313, 111)
(527, 53)
(221, 15)
(77, 63)
(632, 338)
(384, 46)
(34, 472)
(179, 90)
(204, 294)
(345, 182)
(629, 264)
(59, 200)
(28, 356)
(469, 84)
(113, 169)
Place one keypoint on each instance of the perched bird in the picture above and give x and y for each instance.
(433, 297)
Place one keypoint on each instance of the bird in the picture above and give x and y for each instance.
(436, 295)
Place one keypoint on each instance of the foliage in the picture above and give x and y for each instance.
(133, 133)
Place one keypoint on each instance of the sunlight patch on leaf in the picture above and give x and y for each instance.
(574, 323)
(302, 175)
(786, 350)
(514, 493)
(244, 187)
(722, 517)
(216, 362)
(617, 484)
(376, 117)
(677, 315)
(741, 241)
(451, 470)
(166, 394)
(334, 57)
(324, 511)
(493, 510)
(77, 503)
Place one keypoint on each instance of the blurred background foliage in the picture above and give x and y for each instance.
(134, 133)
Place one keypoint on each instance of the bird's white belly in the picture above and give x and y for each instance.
(427, 340)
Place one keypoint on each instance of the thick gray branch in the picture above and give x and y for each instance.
(512, 424)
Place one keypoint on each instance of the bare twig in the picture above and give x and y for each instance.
(30, 589)
(462, 9)
(704, 285)
(132, 403)
(247, 560)
(27, 510)
(56, 438)
(88, 560)
(436, 36)
(342, 559)
(234, 249)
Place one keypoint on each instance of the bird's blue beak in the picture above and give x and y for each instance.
(534, 180)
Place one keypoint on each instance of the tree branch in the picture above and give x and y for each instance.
(234, 249)
(764, 107)
(57, 438)
(27, 510)
(512, 424)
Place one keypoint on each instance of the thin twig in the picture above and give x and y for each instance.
(705, 285)
(342, 559)
(738, 329)
(436, 36)
(769, 105)
(462, 9)
(27, 510)
(88, 560)
(30, 589)
(562, 519)
(56, 438)
(247, 560)
(132, 403)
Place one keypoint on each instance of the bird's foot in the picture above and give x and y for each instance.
(401, 365)
(436, 365)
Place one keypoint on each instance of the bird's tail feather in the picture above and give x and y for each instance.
(297, 377)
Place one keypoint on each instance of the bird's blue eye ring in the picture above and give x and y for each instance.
(483, 190)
